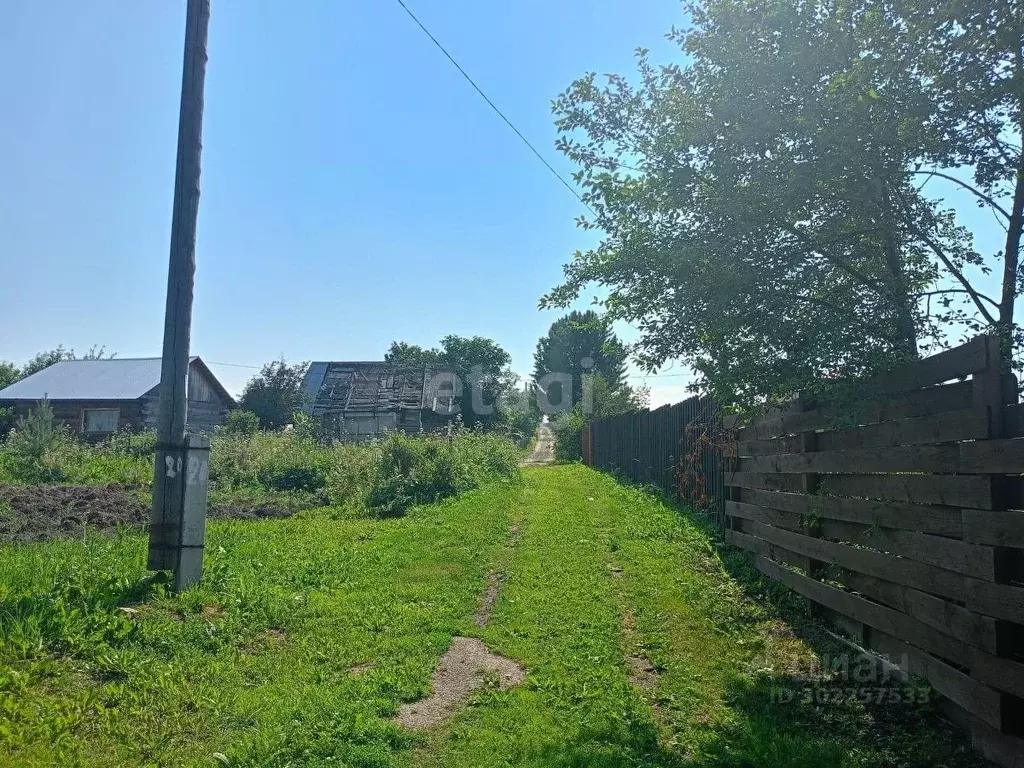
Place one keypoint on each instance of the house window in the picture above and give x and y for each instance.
(100, 420)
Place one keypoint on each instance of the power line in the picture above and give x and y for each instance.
(493, 106)
(234, 365)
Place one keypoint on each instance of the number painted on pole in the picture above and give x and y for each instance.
(173, 466)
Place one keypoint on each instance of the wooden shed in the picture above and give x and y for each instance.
(95, 398)
(357, 400)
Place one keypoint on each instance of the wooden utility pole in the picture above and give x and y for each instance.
(177, 525)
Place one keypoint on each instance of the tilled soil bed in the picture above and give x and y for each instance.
(42, 512)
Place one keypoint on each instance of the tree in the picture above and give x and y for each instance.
(481, 364)
(400, 352)
(606, 400)
(241, 423)
(96, 352)
(577, 344)
(9, 373)
(762, 205)
(483, 367)
(275, 394)
(969, 60)
(46, 358)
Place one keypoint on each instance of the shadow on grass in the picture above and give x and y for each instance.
(841, 705)
(791, 720)
(846, 697)
(73, 617)
(633, 744)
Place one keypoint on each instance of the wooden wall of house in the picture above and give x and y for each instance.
(202, 417)
(68, 413)
(200, 388)
(207, 409)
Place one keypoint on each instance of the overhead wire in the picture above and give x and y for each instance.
(492, 105)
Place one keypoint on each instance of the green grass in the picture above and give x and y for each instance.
(257, 665)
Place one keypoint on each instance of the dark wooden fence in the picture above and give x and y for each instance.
(895, 513)
(677, 448)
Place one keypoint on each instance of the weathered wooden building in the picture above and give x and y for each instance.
(357, 400)
(96, 398)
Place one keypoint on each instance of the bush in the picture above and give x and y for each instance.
(420, 470)
(125, 459)
(280, 462)
(241, 423)
(568, 429)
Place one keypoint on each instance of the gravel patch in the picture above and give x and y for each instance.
(463, 668)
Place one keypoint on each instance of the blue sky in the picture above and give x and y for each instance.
(355, 189)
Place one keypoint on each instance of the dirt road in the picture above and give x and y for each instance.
(543, 450)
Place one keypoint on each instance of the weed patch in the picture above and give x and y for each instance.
(252, 475)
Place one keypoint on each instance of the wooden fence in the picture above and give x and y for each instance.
(895, 513)
(677, 448)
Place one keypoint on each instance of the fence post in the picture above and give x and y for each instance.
(730, 453)
(992, 390)
(810, 486)
(716, 473)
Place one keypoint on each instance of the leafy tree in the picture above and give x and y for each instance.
(968, 59)
(762, 205)
(481, 364)
(605, 400)
(96, 353)
(400, 352)
(46, 358)
(609, 399)
(275, 394)
(9, 373)
(58, 354)
(572, 341)
(520, 413)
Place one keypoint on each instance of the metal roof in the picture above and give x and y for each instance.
(112, 379)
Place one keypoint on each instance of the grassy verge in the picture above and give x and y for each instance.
(310, 631)
(306, 635)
